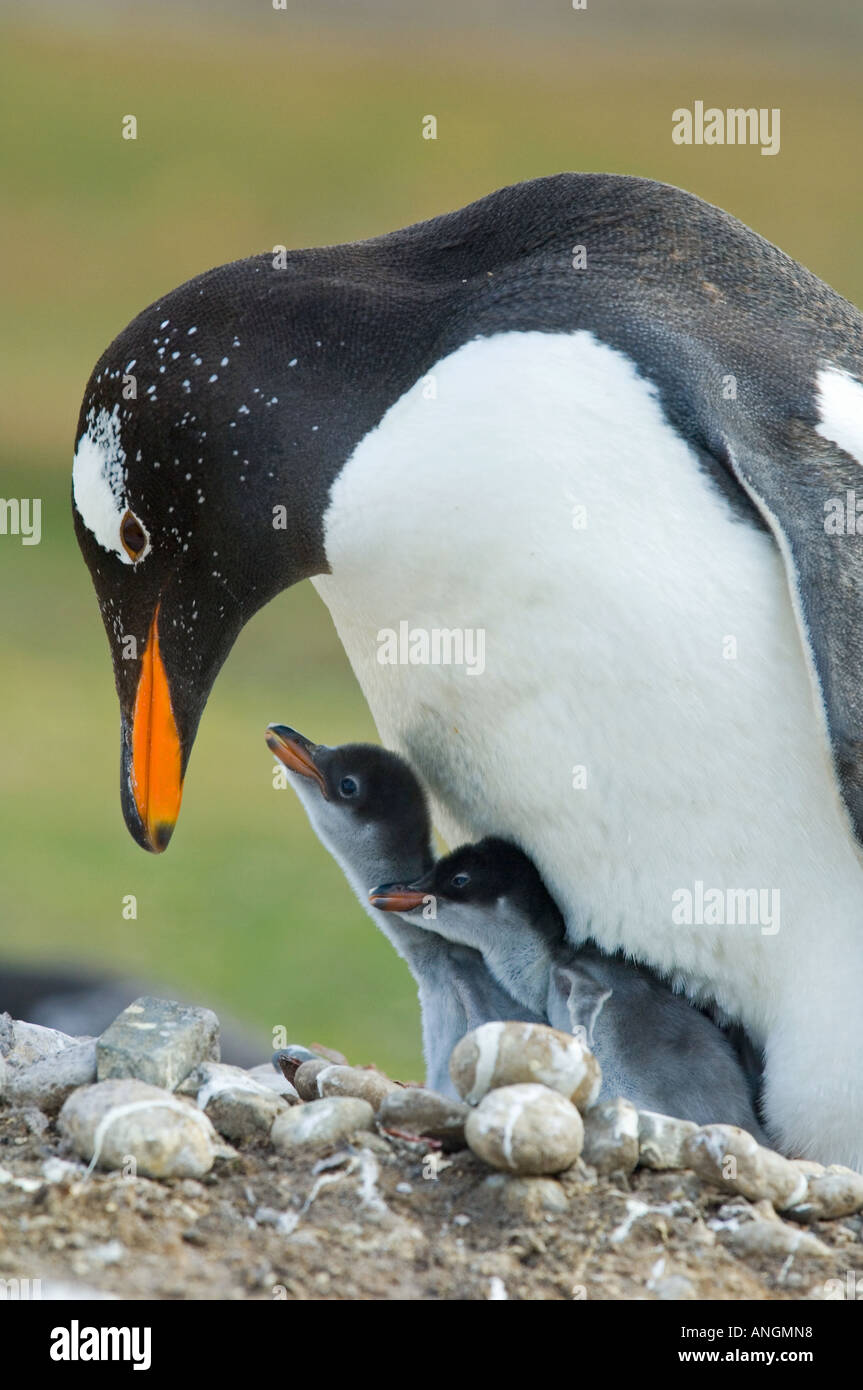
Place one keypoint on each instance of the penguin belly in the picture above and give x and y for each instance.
(642, 720)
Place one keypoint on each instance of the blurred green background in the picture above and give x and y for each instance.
(302, 126)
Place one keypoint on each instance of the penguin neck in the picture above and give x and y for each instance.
(369, 869)
(516, 954)
(521, 964)
(370, 859)
(414, 945)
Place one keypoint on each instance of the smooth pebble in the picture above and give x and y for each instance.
(320, 1123)
(506, 1054)
(122, 1119)
(526, 1128)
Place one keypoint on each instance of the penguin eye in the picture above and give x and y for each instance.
(132, 536)
(459, 880)
(349, 786)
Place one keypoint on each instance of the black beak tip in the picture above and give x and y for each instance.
(155, 842)
(161, 836)
(279, 734)
(383, 889)
(277, 731)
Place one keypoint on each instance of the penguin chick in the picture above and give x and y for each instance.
(654, 1047)
(368, 809)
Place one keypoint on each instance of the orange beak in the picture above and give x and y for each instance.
(295, 751)
(157, 784)
(394, 897)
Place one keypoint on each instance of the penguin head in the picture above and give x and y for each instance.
(364, 802)
(197, 496)
(490, 879)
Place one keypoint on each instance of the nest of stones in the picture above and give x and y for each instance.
(151, 1097)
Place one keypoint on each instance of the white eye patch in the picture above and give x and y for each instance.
(99, 484)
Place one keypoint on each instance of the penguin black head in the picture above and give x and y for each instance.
(204, 454)
(363, 801)
(481, 876)
(213, 428)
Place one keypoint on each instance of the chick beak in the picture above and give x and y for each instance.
(396, 897)
(296, 753)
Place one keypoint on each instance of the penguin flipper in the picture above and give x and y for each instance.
(798, 489)
(583, 997)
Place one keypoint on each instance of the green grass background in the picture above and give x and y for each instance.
(248, 138)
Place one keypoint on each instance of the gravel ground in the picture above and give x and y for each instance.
(380, 1218)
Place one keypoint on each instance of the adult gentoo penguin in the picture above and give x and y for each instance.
(618, 475)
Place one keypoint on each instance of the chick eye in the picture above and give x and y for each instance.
(349, 786)
(460, 880)
(132, 536)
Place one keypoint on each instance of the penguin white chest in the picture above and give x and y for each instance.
(632, 704)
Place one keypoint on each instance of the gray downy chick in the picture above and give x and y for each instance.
(368, 809)
(655, 1048)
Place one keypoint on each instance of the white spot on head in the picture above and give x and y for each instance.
(840, 405)
(99, 482)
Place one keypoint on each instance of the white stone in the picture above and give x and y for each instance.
(506, 1054)
(732, 1159)
(611, 1136)
(125, 1120)
(319, 1123)
(526, 1128)
(661, 1140)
